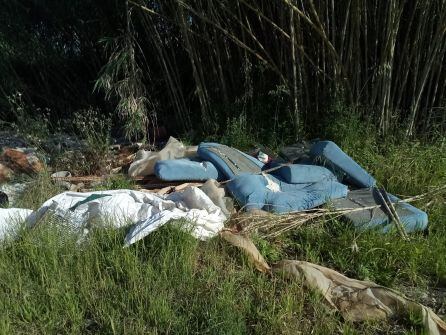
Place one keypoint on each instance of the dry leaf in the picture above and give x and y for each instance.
(248, 247)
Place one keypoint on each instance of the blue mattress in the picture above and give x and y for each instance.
(186, 169)
(328, 154)
(275, 195)
(412, 218)
(231, 162)
(303, 173)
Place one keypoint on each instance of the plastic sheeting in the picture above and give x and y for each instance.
(146, 211)
(10, 219)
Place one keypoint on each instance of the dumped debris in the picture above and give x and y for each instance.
(356, 300)
(58, 178)
(359, 300)
(146, 212)
(310, 176)
(21, 160)
(145, 161)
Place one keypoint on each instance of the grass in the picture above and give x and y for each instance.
(170, 283)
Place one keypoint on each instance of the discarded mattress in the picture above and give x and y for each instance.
(412, 218)
(146, 211)
(186, 169)
(231, 162)
(270, 193)
(328, 154)
(302, 173)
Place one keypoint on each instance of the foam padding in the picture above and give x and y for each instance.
(412, 218)
(255, 192)
(231, 162)
(187, 170)
(301, 173)
(329, 155)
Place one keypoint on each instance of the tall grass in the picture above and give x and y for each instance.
(171, 283)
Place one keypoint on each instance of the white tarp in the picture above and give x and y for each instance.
(146, 211)
(10, 219)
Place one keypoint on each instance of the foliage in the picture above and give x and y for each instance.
(170, 63)
(92, 156)
(94, 128)
(38, 191)
(34, 129)
(121, 78)
(116, 182)
(238, 133)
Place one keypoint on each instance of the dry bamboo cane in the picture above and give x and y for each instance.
(395, 213)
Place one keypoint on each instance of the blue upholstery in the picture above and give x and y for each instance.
(187, 170)
(231, 162)
(328, 154)
(301, 173)
(252, 192)
(412, 218)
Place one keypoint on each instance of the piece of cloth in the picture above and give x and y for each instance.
(193, 205)
(359, 300)
(245, 243)
(10, 220)
(218, 196)
(231, 162)
(329, 155)
(145, 160)
(145, 211)
(256, 192)
(186, 169)
(411, 217)
(356, 300)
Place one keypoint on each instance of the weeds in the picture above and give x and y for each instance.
(172, 283)
(37, 191)
(34, 129)
(93, 155)
(116, 182)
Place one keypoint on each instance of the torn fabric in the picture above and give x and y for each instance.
(359, 300)
(356, 300)
(146, 211)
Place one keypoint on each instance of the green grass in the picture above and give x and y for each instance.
(170, 283)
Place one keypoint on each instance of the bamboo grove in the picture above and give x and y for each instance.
(196, 64)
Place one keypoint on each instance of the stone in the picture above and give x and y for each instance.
(5, 173)
(21, 161)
